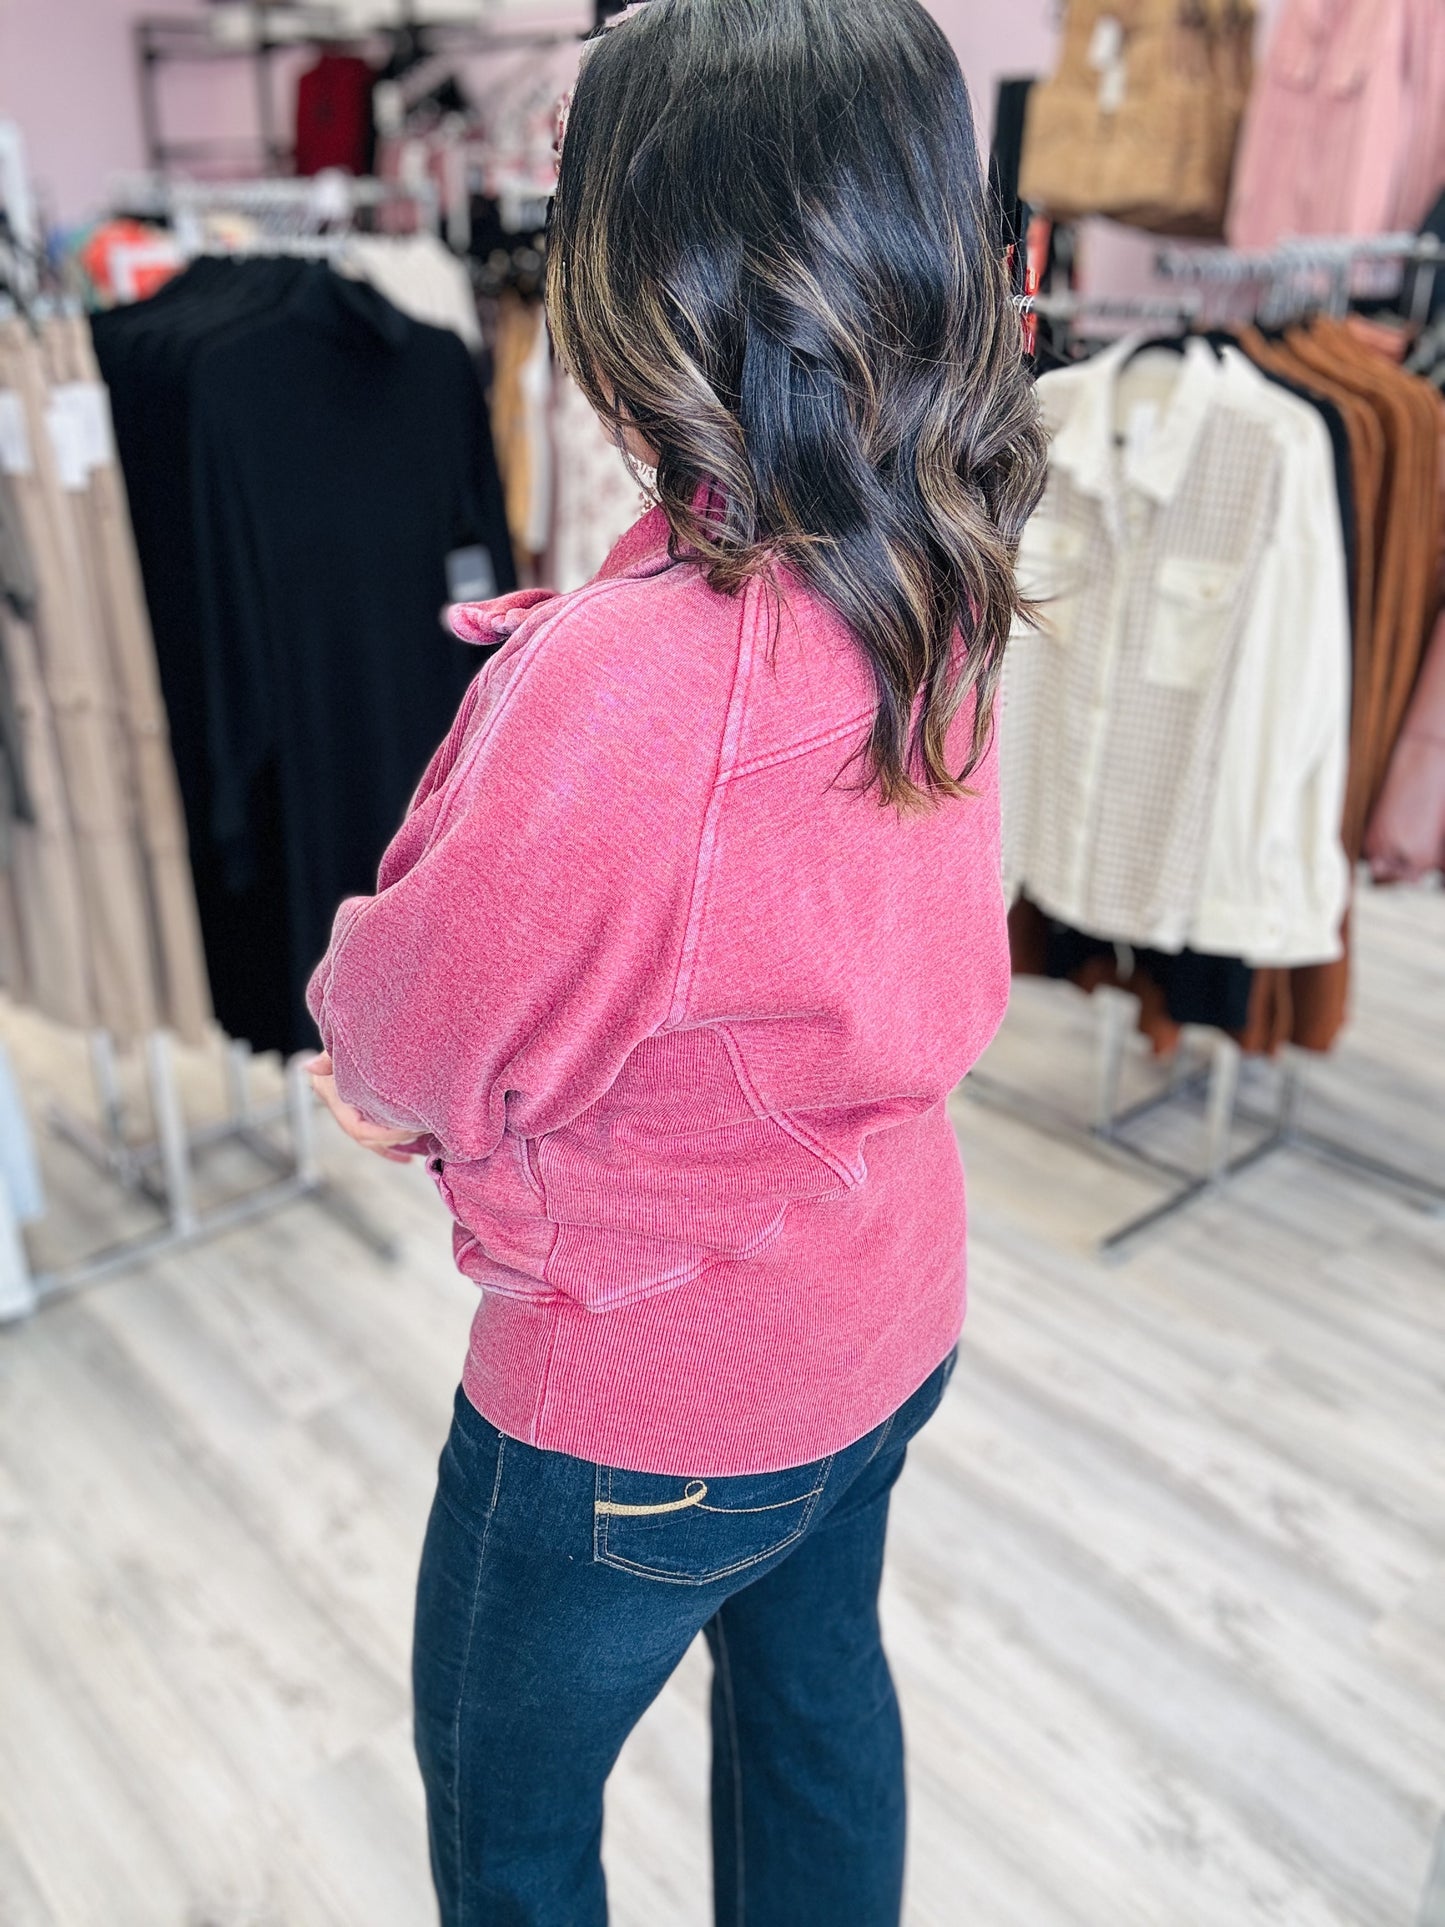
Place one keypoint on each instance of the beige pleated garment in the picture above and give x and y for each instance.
(109, 826)
(43, 957)
(148, 768)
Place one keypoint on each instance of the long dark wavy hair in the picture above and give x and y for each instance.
(772, 257)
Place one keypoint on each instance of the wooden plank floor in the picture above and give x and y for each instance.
(1167, 1586)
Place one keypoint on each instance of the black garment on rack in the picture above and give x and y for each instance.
(503, 258)
(343, 452)
(1006, 157)
(147, 355)
(1196, 989)
(318, 456)
(1422, 282)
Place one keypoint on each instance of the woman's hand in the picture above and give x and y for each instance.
(376, 1137)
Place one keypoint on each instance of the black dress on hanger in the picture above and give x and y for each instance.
(302, 459)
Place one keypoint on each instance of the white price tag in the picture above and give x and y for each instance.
(1106, 57)
(67, 441)
(1139, 427)
(15, 455)
(1106, 45)
(1112, 88)
(470, 575)
(89, 406)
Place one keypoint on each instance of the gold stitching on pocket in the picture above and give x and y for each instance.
(779, 1505)
(695, 1494)
(883, 1440)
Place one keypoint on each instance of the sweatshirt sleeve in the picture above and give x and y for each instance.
(530, 916)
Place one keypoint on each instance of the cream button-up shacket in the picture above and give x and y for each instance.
(1174, 734)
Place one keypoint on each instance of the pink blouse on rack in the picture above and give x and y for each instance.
(1345, 132)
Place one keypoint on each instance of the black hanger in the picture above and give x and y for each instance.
(1174, 343)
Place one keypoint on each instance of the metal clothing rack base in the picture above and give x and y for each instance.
(1217, 1084)
(159, 1169)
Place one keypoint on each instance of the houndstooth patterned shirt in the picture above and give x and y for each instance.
(1173, 734)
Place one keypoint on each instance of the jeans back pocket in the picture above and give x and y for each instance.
(693, 1531)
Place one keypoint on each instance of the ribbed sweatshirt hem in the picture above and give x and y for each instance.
(641, 1389)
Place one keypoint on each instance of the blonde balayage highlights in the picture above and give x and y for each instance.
(772, 257)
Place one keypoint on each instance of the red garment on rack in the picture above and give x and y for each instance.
(333, 115)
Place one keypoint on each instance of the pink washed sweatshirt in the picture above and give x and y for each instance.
(677, 1010)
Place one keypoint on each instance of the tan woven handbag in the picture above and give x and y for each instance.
(1140, 120)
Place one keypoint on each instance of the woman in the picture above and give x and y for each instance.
(693, 926)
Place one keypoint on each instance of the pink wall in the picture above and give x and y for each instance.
(67, 75)
(995, 42)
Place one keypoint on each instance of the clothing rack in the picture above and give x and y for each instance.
(1208, 1073)
(160, 1170)
(1318, 270)
(317, 208)
(313, 218)
(1107, 313)
(187, 39)
(1308, 275)
(461, 36)
(1204, 263)
(1105, 307)
(1208, 1080)
(267, 31)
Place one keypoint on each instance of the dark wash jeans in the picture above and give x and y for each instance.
(555, 1599)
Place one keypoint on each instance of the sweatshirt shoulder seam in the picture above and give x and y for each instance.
(707, 842)
(804, 746)
(533, 648)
